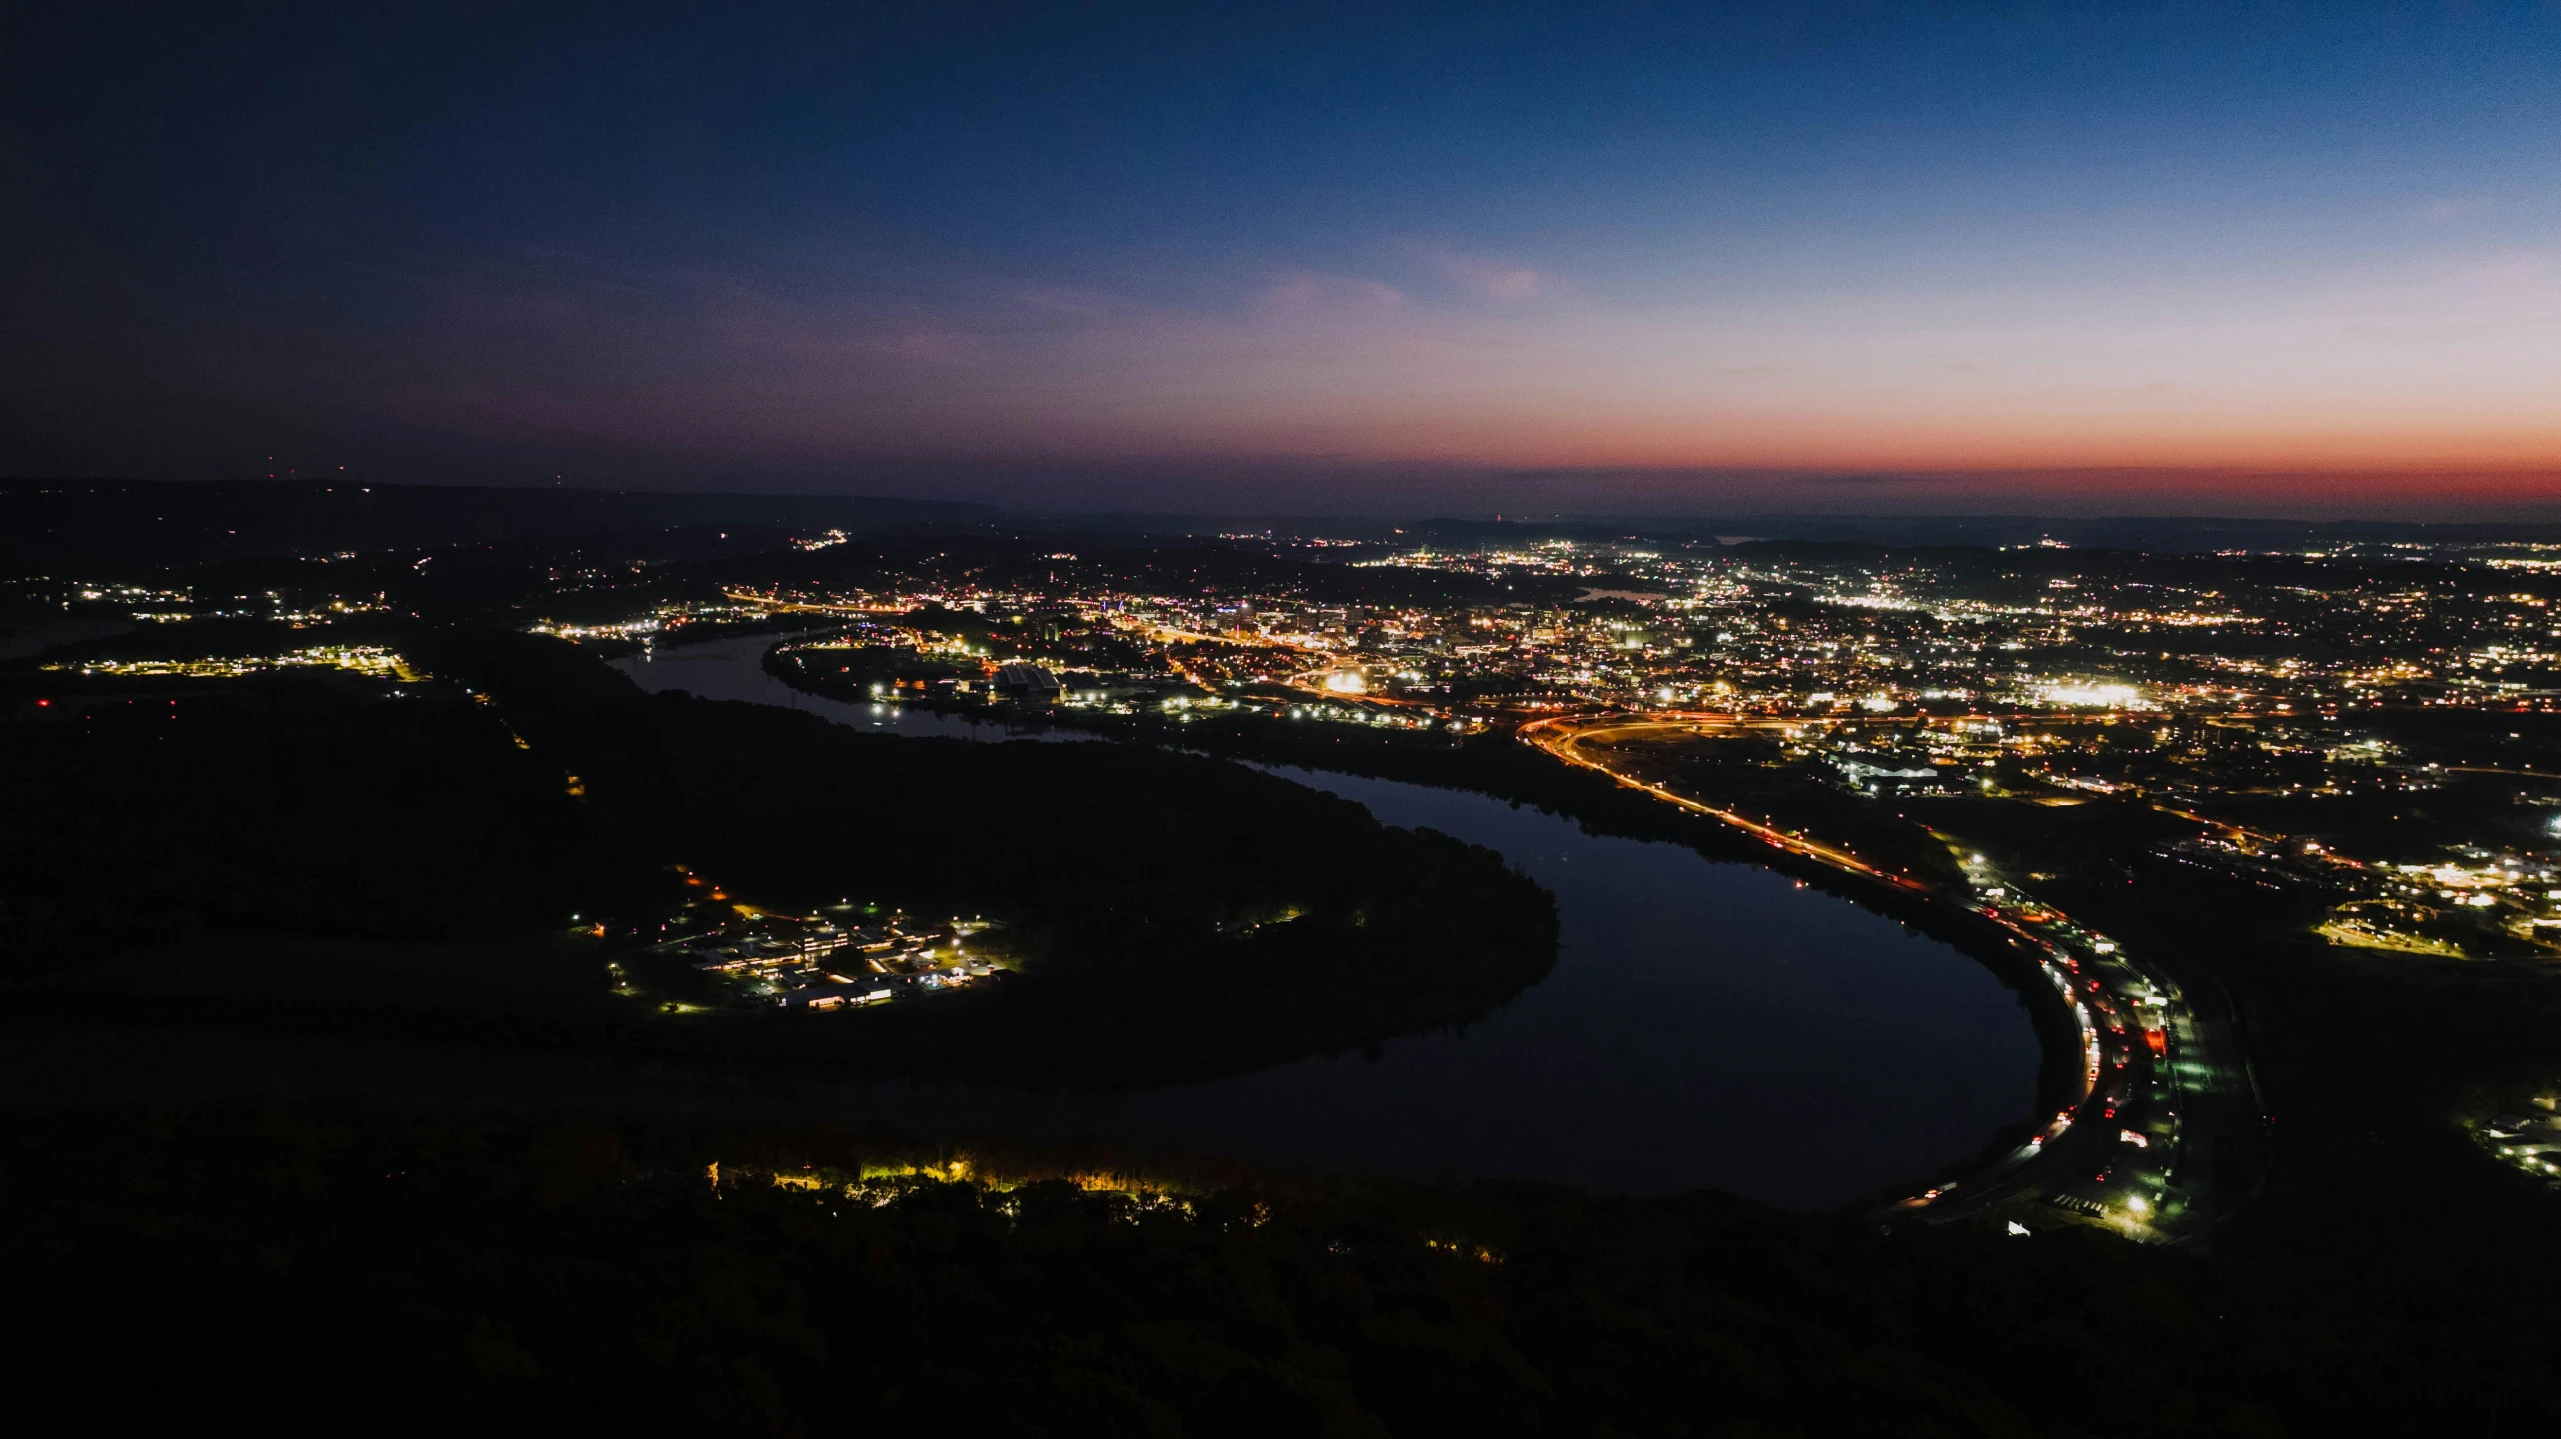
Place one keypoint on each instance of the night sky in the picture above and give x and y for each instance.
(2036, 257)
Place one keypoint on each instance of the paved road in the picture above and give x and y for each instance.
(2145, 1146)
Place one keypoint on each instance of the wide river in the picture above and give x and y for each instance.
(1707, 1026)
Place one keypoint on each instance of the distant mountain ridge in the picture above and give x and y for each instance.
(2188, 534)
(59, 526)
(88, 528)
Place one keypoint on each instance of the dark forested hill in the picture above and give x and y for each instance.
(1173, 913)
(433, 1273)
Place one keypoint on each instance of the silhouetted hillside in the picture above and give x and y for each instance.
(125, 527)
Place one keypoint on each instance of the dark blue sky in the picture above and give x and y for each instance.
(1688, 256)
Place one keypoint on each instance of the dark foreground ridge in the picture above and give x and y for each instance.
(308, 1263)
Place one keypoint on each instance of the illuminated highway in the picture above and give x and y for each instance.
(2123, 1152)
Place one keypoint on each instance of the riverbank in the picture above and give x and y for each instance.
(1718, 1026)
(1498, 764)
(1706, 1027)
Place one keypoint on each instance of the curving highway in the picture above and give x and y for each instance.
(2145, 1144)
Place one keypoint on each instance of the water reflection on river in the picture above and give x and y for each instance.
(1708, 1025)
